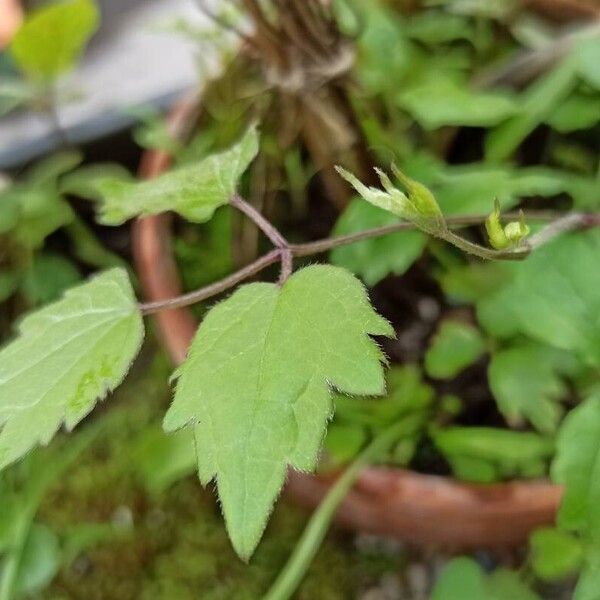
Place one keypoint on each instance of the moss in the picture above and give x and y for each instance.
(177, 547)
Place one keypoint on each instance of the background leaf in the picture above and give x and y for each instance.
(52, 38)
(195, 191)
(555, 554)
(375, 259)
(577, 467)
(526, 382)
(454, 347)
(549, 300)
(67, 355)
(440, 102)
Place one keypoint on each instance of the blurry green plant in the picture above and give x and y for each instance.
(33, 209)
(49, 43)
(274, 362)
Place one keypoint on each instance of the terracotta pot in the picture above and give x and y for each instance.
(420, 509)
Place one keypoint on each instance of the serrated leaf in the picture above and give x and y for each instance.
(376, 258)
(455, 346)
(194, 191)
(67, 356)
(553, 297)
(577, 467)
(52, 38)
(257, 385)
(526, 382)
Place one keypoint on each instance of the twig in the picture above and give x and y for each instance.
(265, 226)
(214, 289)
(284, 254)
(560, 226)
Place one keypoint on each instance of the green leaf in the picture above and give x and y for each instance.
(67, 355)
(455, 346)
(41, 211)
(589, 579)
(555, 554)
(39, 562)
(440, 102)
(486, 454)
(554, 297)
(433, 27)
(84, 181)
(577, 112)
(9, 282)
(536, 104)
(257, 385)
(52, 38)
(195, 191)
(577, 467)
(406, 394)
(474, 281)
(344, 441)
(50, 168)
(375, 258)
(164, 459)
(587, 52)
(463, 579)
(14, 93)
(48, 276)
(473, 188)
(526, 382)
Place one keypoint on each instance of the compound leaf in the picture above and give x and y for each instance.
(526, 382)
(256, 386)
(195, 190)
(68, 355)
(52, 38)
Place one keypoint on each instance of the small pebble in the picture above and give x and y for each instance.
(367, 543)
(418, 580)
(428, 308)
(122, 518)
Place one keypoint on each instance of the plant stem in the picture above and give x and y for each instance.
(265, 226)
(286, 253)
(318, 525)
(213, 289)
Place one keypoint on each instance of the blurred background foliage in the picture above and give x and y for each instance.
(497, 364)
